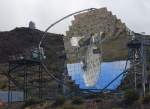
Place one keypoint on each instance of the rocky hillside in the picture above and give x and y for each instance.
(20, 41)
(101, 20)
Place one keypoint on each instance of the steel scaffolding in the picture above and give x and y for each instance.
(26, 76)
(138, 63)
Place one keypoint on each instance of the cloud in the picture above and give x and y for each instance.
(135, 13)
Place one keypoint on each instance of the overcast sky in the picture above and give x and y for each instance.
(18, 13)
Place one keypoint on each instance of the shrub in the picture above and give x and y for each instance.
(30, 102)
(117, 108)
(91, 96)
(2, 85)
(67, 106)
(77, 100)
(146, 99)
(98, 100)
(130, 97)
(60, 100)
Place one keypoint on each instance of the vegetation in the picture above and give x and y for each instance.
(31, 102)
(77, 100)
(68, 106)
(2, 108)
(60, 100)
(117, 108)
(2, 85)
(146, 99)
(90, 96)
(130, 97)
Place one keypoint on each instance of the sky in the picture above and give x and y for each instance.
(18, 13)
